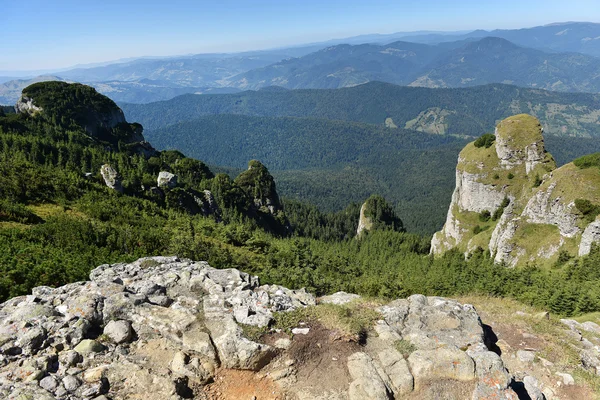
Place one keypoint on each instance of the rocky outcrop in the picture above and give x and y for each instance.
(546, 207)
(164, 328)
(111, 178)
(517, 191)
(590, 236)
(166, 180)
(364, 223)
(472, 195)
(25, 105)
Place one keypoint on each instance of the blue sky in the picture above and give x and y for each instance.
(39, 34)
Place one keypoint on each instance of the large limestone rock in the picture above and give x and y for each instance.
(516, 181)
(25, 105)
(111, 177)
(364, 223)
(166, 180)
(591, 235)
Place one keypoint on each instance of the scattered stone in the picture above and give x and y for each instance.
(339, 298)
(525, 356)
(567, 379)
(71, 383)
(283, 343)
(119, 331)
(300, 331)
(49, 383)
(533, 388)
(87, 346)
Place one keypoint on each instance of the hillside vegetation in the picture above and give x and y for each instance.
(58, 222)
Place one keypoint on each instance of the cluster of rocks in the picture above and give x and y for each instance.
(191, 201)
(109, 336)
(161, 328)
(587, 342)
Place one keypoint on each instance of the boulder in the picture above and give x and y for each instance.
(111, 178)
(119, 331)
(366, 383)
(339, 298)
(442, 363)
(166, 180)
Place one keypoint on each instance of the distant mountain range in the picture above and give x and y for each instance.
(461, 112)
(452, 64)
(559, 57)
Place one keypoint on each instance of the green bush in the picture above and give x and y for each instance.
(485, 140)
(485, 216)
(589, 210)
(500, 210)
(587, 161)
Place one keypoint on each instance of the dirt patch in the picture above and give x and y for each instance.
(231, 384)
(517, 338)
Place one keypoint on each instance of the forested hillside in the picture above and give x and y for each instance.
(330, 163)
(468, 111)
(58, 219)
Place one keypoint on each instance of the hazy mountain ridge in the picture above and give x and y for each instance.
(464, 111)
(452, 64)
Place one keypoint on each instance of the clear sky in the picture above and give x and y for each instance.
(46, 34)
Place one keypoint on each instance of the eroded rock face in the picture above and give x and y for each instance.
(519, 141)
(545, 207)
(364, 223)
(166, 180)
(591, 235)
(472, 195)
(111, 177)
(25, 105)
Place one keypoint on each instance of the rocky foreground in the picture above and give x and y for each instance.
(165, 328)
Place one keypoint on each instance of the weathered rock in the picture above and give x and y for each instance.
(526, 356)
(71, 383)
(87, 346)
(111, 177)
(366, 383)
(396, 368)
(339, 298)
(533, 388)
(485, 177)
(590, 236)
(567, 379)
(364, 223)
(179, 346)
(119, 331)
(442, 363)
(50, 383)
(166, 180)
